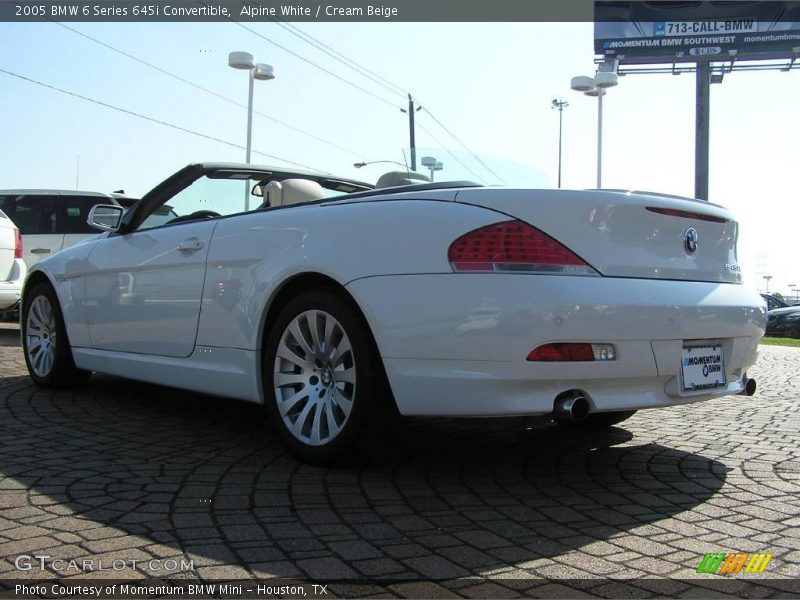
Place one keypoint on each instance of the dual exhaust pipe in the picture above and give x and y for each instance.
(573, 405)
(570, 406)
(749, 386)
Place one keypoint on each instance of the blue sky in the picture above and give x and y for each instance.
(490, 83)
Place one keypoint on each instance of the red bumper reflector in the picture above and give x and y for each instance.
(564, 352)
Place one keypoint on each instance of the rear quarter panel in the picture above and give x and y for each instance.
(252, 256)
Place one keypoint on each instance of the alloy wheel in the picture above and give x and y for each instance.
(40, 336)
(314, 377)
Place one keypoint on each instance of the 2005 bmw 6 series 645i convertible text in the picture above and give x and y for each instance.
(331, 299)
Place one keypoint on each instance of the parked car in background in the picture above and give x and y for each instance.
(12, 266)
(335, 304)
(784, 322)
(774, 302)
(50, 220)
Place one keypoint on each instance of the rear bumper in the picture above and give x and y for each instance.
(457, 344)
(11, 289)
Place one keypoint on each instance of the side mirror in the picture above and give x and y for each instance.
(257, 191)
(105, 217)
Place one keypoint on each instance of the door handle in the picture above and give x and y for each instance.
(40, 251)
(190, 245)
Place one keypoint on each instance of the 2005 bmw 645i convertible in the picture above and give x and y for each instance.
(330, 300)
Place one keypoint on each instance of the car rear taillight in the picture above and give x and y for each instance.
(514, 246)
(17, 244)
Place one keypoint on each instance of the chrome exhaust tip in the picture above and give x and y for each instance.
(749, 386)
(570, 406)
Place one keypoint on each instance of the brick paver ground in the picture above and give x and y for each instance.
(133, 472)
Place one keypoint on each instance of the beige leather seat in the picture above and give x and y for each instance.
(292, 191)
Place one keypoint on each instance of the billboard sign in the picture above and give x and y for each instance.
(678, 31)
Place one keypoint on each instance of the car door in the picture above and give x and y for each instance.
(143, 288)
(36, 218)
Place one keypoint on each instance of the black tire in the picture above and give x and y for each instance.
(602, 420)
(370, 395)
(63, 373)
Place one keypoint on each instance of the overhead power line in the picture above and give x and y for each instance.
(207, 90)
(315, 65)
(453, 156)
(463, 145)
(336, 55)
(148, 118)
(375, 77)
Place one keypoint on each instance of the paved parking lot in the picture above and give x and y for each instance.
(132, 472)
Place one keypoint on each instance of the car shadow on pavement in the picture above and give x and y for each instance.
(139, 470)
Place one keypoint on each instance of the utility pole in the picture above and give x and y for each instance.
(601, 93)
(559, 105)
(702, 113)
(412, 141)
(78, 172)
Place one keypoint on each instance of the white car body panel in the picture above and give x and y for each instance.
(144, 292)
(272, 248)
(430, 347)
(452, 343)
(616, 233)
(37, 247)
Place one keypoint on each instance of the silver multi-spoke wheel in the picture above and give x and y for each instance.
(40, 336)
(314, 377)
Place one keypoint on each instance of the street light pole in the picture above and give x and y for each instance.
(600, 138)
(261, 71)
(361, 164)
(596, 87)
(559, 105)
(767, 278)
(249, 123)
(432, 164)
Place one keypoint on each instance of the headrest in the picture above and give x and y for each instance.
(398, 178)
(292, 191)
(272, 194)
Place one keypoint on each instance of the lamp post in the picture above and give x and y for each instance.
(767, 278)
(262, 72)
(793, 287)
(559, 105)
(359, 165)
(596, 87)
(432, 164)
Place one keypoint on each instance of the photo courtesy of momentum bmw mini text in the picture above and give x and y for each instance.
(333, 300)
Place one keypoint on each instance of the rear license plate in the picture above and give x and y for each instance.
(702, 367)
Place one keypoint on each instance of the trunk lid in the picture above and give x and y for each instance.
(628, 234)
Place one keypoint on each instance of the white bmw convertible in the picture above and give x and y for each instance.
(329, 302)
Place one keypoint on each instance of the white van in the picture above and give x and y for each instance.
(50, 220)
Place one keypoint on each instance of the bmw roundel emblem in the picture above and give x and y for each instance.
(690, 240)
